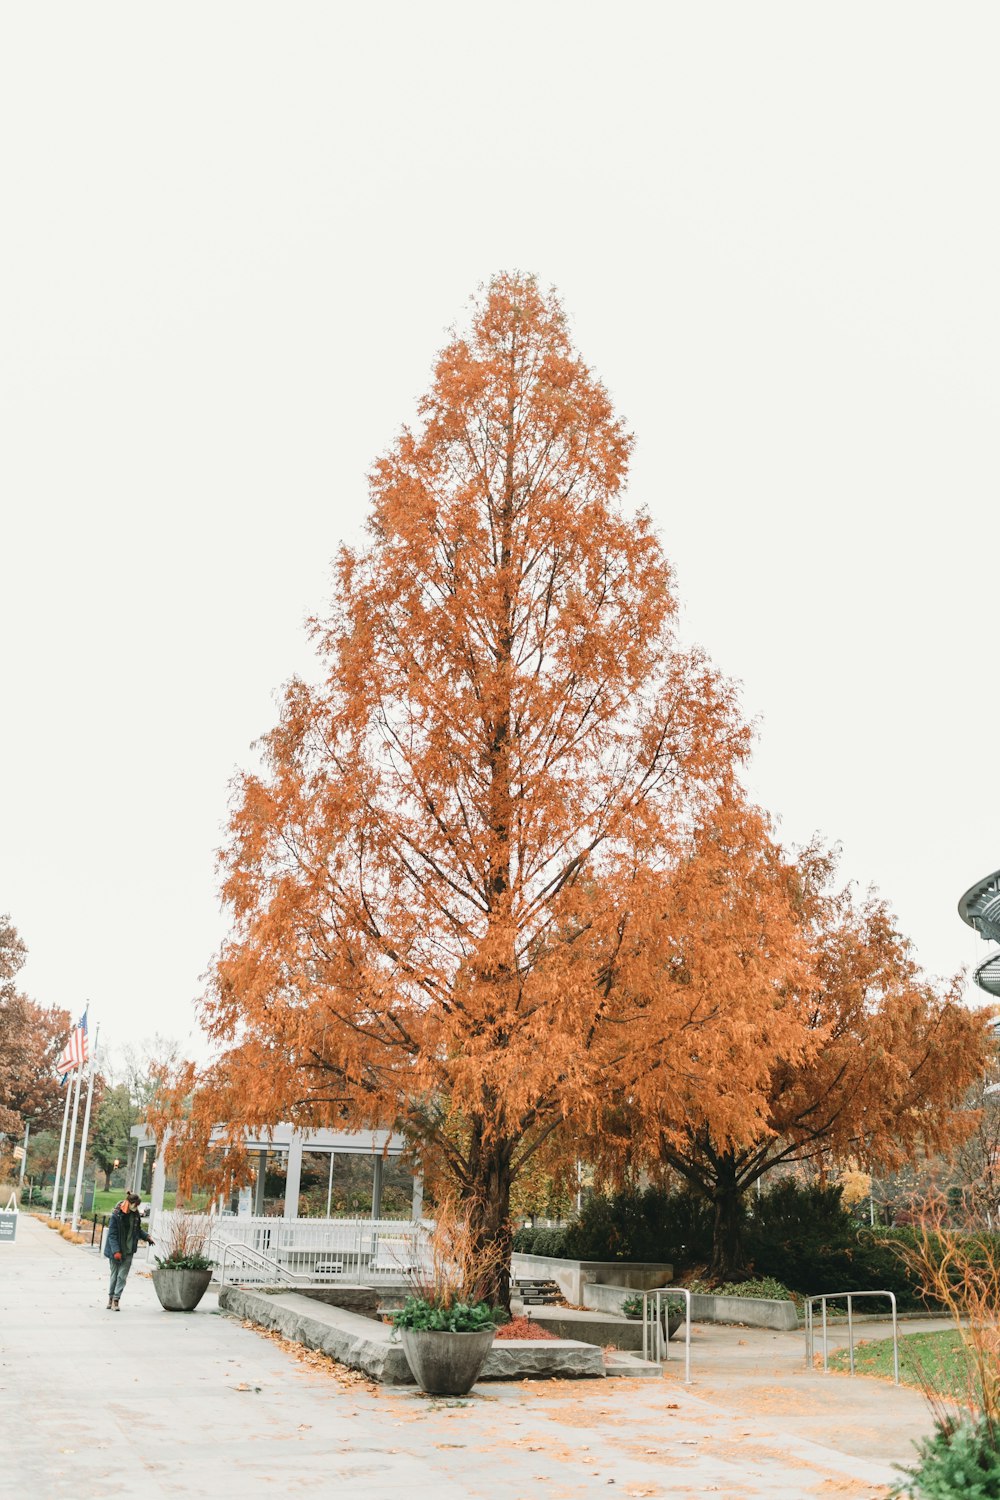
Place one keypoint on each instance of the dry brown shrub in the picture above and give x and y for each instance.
(462, 1268)
(959, 1269)
(186, 1237)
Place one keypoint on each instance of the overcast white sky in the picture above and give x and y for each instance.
(233, 238)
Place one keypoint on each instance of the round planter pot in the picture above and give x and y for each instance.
(180, 1291)
(675, 1320)
(446, 1364)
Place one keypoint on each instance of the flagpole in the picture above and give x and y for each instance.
(72, 1143)
(83, 1135)
(62, 1146)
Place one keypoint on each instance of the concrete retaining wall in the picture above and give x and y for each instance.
(755, 1312)
(571, 1276)
(365, 1300)
(364, 1344)
(607, 1299)
(609, 1331)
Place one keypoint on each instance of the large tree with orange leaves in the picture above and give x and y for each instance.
(451, 886)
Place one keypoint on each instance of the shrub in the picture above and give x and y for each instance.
(550, 1242)
(764, 1287)
(652, 1225)
(960, 1462)
(532, 1241)
(459, 1317)
(186, 1244)
(802, 1235)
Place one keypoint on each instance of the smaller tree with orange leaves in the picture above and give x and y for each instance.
(881, 1065)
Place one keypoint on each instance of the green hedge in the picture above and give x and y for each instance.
(802, 1235)
(549, 1242)
(798, 1233)
(650, 1226)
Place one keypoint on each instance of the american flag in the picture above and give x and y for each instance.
(74, 1054)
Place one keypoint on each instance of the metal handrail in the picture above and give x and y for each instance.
(825, 1297)
(661, 1314)
(257, 1258)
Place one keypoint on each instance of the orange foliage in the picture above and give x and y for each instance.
(31, 1039)
(880, 1072)
(450, 889)
(498, 874)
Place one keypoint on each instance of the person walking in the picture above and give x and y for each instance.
(124, 1233)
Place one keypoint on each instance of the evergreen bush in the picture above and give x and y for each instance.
(960, 1462)
(801, 1234)
(651, 1225)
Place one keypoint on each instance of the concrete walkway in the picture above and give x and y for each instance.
(94, 1403)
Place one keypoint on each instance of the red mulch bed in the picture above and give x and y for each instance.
(523, 1328)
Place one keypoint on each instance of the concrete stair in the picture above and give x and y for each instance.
(536, 1293)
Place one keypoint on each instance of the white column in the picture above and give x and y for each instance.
(377, 1188)
(417, 1211)
(293, 1176)
(83, 1133)
(62, 1148)
(329, 1184)
(259, 1186)
(158, 1186)
(72, 1142)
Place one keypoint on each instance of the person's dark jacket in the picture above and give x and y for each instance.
(124, 1233)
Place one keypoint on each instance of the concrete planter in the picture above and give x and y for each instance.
(753, 1312)
(180, 1291)
(446, 1364)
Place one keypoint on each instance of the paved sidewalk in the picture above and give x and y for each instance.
(94, 1403)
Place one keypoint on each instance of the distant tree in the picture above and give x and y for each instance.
(133, 1075)
(31, 1039)
(109, 1136)
(976, 1163)
(144, 1066)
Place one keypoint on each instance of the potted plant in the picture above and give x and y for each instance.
(447, 1323)
(182, 1274)
(632, 1308)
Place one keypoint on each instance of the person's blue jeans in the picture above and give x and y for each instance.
(119, 1276)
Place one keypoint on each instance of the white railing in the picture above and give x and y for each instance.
(358, 1252)
(656, 1311)
(248, 1267)
(826, 1297)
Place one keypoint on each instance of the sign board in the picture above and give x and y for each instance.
(8, 1227)
(19, 1153)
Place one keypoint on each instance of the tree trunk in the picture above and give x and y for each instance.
(727, 1262)
(487, 1204)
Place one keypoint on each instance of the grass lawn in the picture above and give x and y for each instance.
(104, 1202)
(936, 1357)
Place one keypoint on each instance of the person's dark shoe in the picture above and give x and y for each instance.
(109, 1306)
